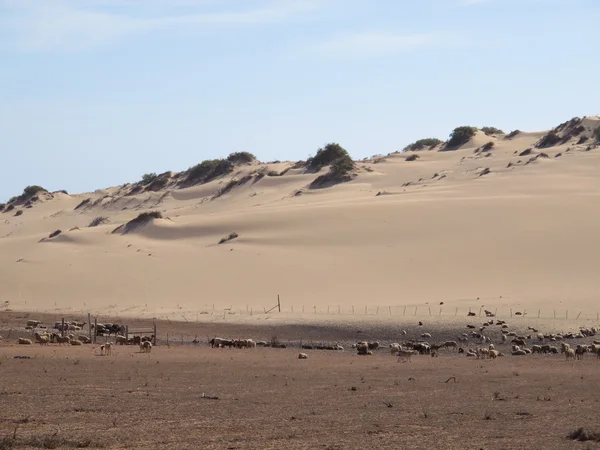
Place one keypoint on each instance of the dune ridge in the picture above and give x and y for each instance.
(509, 218)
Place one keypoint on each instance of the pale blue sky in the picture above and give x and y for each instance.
(95, 93)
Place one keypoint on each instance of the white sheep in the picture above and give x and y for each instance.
(569, 354)
(24, 341)
(108, 348)
(426, 335)
(405, 355)
(146, 346)
(302, 356)
(395, 348)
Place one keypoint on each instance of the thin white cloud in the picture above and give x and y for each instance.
(81, 24)
(374, 43)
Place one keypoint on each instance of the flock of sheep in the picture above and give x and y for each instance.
(52, 337)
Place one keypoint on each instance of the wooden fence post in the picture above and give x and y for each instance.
(95, 328)
(90, 326)
(155, 336)
(62, 327)
(278, 303)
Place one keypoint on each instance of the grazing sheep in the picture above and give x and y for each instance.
(405, 355)
(395, 348)
(120, 340)
(451, 344)
(146, 347)
(491, 347)
(63, 339)
(493, 354)
(471, 352)
(41, 339)
(434, 353)
(580, 351)
(261, 343)
(362, 348)
(24, 341)
(75, 342)
(84, 339)
(569, 354)
(519, 353)
(536, 349)
(108, 348)
(33, 323)
(482, 353)
(302, 356)
(403, 332)
(373, 345)
(540, 337)
(504, 338)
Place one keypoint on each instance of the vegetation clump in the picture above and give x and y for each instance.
(512, 134)
(491, 130)
(208, 170)
(329, 155)
(148, 178)
(422, 143)
(488, 146)
(229, 237)
(581, 435)
(460, 136)
(98, 221)
(597, 134)
(138, 222)
(340, 171)
(237, 158)
(550, 140)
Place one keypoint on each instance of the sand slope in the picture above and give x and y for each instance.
(439, 231)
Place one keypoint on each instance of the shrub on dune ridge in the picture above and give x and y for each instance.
(98, 221)
(491, 130)
(597, 134)
(229, 237)
(422, 143)
(327, 155)
(208, 170)
(148, 178)
(460, 136)
(241, 158)
(138, 222)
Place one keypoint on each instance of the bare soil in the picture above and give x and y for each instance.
(192, 396)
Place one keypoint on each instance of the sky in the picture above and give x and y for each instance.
(95, 93)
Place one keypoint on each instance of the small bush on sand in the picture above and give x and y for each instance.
(2, 206)
(229, 237)
(328, 155)
(512, 134)
(551, 139)
(54, 234)
(9, 208)
(422, 143)
(83, 203)
(597, 134)
(488, 146)
(241, 158)
(98, 221)
(19, 212)
(460, 136)
(208, 170)
(491, 130)
(412, 157)
(138, 222)
(30, 191)
(148, 178)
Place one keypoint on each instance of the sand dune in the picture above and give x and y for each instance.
(450, 226)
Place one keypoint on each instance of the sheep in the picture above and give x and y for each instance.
(108, 348)
(434, 353)
(41, 339)
(403, 332)
(569, 354)
(580, 351)
(302, 356)
(146, 347)
(33, 323)
(395, 348)
(75, 342)
(84, 339)
(373, 345)
(482, 353)
(471, 352)
(536, 349)
(540, 337)
(63, 339)
(362, 348)
(491, 347)
(261, 343)
(405, 355)
(504, 338)
(450, 344)
(24, 341)
(120, 340)
(519, 353)
(426, 335)
(102, 349)
(493, 354)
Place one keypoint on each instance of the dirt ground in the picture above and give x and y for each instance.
(192, 396)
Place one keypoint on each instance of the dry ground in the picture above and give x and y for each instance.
(268, 399)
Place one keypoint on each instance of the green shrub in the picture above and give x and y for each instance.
(488, 146)
(460, 136)
(512, 134)
(241, 158)
(98, 221)
(597, 134)
(30, 191)
(491, 130)
(148, 178)
(422, 143)
(208, 170)
(551, 139)
(13, 199)
(2, 206)
(327, 155)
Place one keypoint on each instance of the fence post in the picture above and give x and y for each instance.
(390, 310)
(378, 310)
(352, 309)
(62, 327)
(95, 328)
(479, 311)
(456, 312)
(365, 310)
(510, 312)
(539, 310)
(404, 309)
(278, 303)
(339, 311)
(578, 315)
(90, 325)
(567, 314)
(416, 307)
(555, 314)
(430, 310)
(327, 309)
(127, 332)
(292, 309)
(440, 312)
(155, 336)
